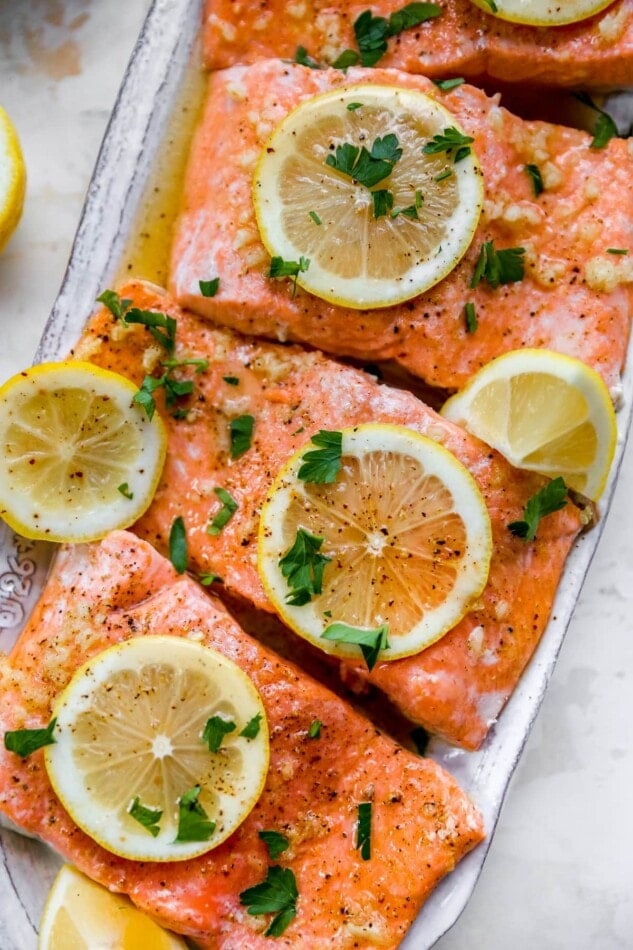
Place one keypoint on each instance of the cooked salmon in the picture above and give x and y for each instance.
(462, 41)
(575, 297)
(456, 687)
(421, 823)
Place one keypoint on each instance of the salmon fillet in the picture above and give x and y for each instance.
(575, 297)
(422, 823)
(462, 41)
(457, 686)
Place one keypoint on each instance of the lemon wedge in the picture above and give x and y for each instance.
(161, 748)
(82, 915)
(545, 412)
(372, 191)
(401, 543)
(78, 457)
(12, 179)
(543, 12)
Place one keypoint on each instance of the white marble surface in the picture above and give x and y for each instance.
(559, 875)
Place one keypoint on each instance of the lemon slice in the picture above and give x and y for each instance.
(132, 763)
(12, 179)
(308, 209)
(545, 412)
(77, 457)
(543, 12)
(406, 532)
(82, 915)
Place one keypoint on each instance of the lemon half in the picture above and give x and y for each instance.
(82, 915)
(78, 457)
(543, 12)
(12, 179)
(130, 736)
(545, 412)
(309, 209)
(406, 531)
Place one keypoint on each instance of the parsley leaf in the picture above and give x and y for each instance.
(226, 512)
(215, 730)
(281, 268)
(304, 59)
(447, 84)
(363, 830)
(498, 267)
(231, 380)
(113, 302)
(373, 32)
(193, 821)
(451, 141)
(368, 168)
(148, 817)
(471, 317)
(207, 579)
(25, 741)
(315, 217)
(209, 288)
(277, 894)
(409, 212)
(323, 464)
(604, 128)
(161, 326)
(493, 6)
(275, 842)
(552, 497)
(349, 57)
(382, 201)
(617, 250)
(252, 727)
(124, 488)
(537, 179)
(371, 642)
(303, 567)
(314, 732)
(241, 432)
(178, 545)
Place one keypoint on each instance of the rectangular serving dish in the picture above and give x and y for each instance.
(151, 88)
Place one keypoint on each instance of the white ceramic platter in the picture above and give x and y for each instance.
(151, 87)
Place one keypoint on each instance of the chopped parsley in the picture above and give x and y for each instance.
(409, 212)
(226, 512)
(382, 200)
(552, 497)
(368, 168)
(252, 727)
(281, 268)
(349, 57)
(498, 267)
(371, 642)
(277, 895)
(207, 579)
(534, 173)
(372, 32)
(322, 465)
(493, 6)
(148, 817)
(304, 59)
(161, 326)
(174, 387)
(193, 821)
(315, 217)
(215, 730)
(275, 842)
(303, 567)
(209, 288)
(124, 488)
(363, 830)
(604, 128)
(617, 250)
(178, 545)
(25, 741)
(443, 175)
(314, 732)
(452, 141)
(231, 380)
(113, 302)
(353, 106)
(470, 317)
(241, 434)
(447, 84)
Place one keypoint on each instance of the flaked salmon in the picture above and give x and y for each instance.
(462, 41)
(457, 686)
(421, 822)
(575, 296)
